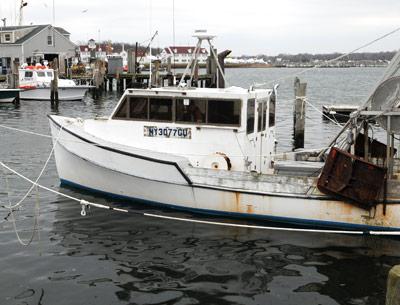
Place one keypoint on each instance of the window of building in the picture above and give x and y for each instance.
(191, 111)
(272, 106)
(49, 40)
(7, 37)
(225, 112)
(138, 108)
(250, 116)
(161, 109)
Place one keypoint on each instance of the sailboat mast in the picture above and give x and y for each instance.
(54, 13)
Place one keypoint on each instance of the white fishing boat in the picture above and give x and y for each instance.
(35, 84)
(213, 151)
(8, 95)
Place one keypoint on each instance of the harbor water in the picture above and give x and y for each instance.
(110, 257)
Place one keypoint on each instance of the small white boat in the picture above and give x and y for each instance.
(35, 84)
(212, 151)
(8, 95)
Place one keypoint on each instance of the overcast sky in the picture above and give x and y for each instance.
(251, 27)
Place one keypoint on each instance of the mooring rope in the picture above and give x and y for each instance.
(37, 205)
(35, 221)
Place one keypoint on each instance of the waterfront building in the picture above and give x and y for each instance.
(182, 54)
(34, 44)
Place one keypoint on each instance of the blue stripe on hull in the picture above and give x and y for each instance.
(258, 217)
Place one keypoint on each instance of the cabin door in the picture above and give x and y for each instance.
(261, 134)
(256, 123)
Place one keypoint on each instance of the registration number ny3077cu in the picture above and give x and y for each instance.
(167, 132)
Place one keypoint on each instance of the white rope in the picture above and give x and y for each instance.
(35, 222)
(40, 174)
(328, 61)
(323, 114)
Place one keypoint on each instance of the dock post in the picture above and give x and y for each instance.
(221, 61)
(110, 84)
(15, 79)
(54, 84)
(393, 286)
(299, 115)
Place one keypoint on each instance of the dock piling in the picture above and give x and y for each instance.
(393, 286)
(299, 115)
(54, 84)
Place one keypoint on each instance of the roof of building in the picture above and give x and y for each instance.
(101, 47)
(183, 50)
(35, 30)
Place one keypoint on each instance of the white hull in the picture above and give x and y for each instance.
(64, 94)
(127, 174)
(6, 100)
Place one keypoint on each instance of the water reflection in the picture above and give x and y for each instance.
(156, 261)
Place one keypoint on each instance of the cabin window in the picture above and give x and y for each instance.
(161, 109)
(49, 40)
(191, 111)
(28, 74)
(272, 106)
(138, 108)
(50, 74)
(250, 116)
(224, 112)
(122, 112)
(41, 74)
(262, 115)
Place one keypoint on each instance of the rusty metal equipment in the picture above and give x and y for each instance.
(346, 176)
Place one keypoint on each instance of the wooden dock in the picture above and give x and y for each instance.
(338, 112)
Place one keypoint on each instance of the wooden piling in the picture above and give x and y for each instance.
(15, 74)
(299, 116)
(54, 84)
(221, 61)
(393, 286)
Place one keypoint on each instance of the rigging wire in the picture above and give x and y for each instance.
(329, 61)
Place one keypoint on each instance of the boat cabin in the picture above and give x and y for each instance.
(35, 76)
(231, 129)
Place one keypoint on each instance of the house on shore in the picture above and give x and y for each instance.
(34, 43)
(182, 54)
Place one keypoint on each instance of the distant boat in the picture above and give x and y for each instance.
(35, 84)
(8, 95)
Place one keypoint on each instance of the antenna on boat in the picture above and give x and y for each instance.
(200, 35)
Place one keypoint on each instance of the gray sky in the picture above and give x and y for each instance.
(253, 27)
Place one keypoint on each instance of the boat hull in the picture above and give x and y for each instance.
(78, 166)
(64, 94)
(8, 95)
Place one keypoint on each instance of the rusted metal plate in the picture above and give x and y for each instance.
(346, 176)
